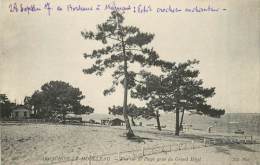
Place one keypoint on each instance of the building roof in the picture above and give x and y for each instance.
(20, 108)
(117, 119)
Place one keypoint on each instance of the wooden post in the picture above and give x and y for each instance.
(192, 143)
(237, 140)
(170, 148)
(162, 148)
(205, 142)
(223, 140)
(118, 153)
(179, 146)
(89, 159)
(245, 139)
(134, 154)
(142, 150)
(251, 138)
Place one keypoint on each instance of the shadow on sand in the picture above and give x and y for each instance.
(139, 139)
(227, 148)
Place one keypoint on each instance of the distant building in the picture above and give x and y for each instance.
(73, 118)
(105, 121)
(91, 121)
(116, 122)
(20, 112)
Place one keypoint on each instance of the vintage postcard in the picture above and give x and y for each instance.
(140, 82)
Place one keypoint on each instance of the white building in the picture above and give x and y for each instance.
(20, 112)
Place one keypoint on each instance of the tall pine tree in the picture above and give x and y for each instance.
(123, 45)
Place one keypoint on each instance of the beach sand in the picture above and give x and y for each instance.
(71, 144)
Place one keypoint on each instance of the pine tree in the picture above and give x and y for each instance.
(56, 97)
(124, 45)
(178, 88)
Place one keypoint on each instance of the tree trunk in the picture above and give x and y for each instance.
(182, 116)
(158, 121)
(177, 126)
(133, 122)
(34, 111)
(130, 132)
(63, 116)
(63, 110)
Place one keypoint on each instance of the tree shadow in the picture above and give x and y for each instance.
(240, 147)
(227, 148)
(138, 139)
(192, 137)
(222, 150)
(171, 135)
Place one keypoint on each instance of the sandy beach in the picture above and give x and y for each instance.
(71, 144)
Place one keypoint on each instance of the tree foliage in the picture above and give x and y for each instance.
(5, 106)
(132, 111)
(56, 97)
(127, 43)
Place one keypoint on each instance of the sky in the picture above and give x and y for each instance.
(37, 48)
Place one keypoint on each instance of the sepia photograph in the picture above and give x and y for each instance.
(141, 82)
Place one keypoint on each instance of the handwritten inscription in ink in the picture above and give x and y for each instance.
(48, 8)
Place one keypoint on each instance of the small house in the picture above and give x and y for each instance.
(116, 122)
(20, 112)
(105, 121)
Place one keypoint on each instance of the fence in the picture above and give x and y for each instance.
(35, 121)
(203, 142)
(52, 121)
(147, 151)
